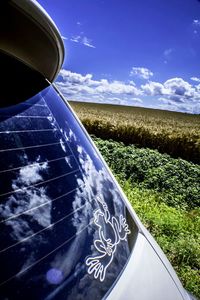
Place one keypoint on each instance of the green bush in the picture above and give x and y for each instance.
(176, 179)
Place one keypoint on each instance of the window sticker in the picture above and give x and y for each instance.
(111, 231)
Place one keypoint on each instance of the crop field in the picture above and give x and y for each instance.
(164, 191)
(174, 133)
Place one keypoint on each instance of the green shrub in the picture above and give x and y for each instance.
(176, 179)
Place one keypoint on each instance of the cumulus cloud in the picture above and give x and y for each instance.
(153, 88)
(176, 91)
(85, 88)
(31, 174)
(116, 87)
(141, 72)
(27, 201)
(75, 78)
(196, 79)
(180, 87)
(172, 87)
(197, 88)
(175, 94)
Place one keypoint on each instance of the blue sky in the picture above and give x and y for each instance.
(132, 52)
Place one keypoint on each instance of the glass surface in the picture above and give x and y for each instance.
(64, 232)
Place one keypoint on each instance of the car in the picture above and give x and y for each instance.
(67, 230)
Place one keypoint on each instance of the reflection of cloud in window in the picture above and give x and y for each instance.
(71, 134)
(31, 174)
(68, 161)
(22, 203)
(93, 182)
(62, 144)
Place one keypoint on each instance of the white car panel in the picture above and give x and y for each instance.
(145, 277)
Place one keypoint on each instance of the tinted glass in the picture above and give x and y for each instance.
(65, 232)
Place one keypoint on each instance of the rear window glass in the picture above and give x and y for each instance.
(65, 232)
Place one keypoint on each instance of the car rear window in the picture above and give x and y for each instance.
(65, 232)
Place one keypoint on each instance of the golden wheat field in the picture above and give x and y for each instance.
(177, 134)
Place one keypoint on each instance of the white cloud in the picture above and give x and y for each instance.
(76, 39)
(138, 100)
(195, 79)
(27, 200)
(75, 78)
(175, 88)
(64, 37)
(175, 93)
(82, 40)
(197, 88)
(85, 88)
(31, 174)
(165, 100)
(153, 88)
(180, 107)
(196, 27)
(196, 22)
(167, 54)
(116, 87)
(87, 42)
(131, 82)
(141, 72)
(180, 87)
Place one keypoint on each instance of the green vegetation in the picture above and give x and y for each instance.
(176, 231)
(174, 133)
(176, 180)
(165, 194)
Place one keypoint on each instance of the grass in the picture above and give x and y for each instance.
(176, 231)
